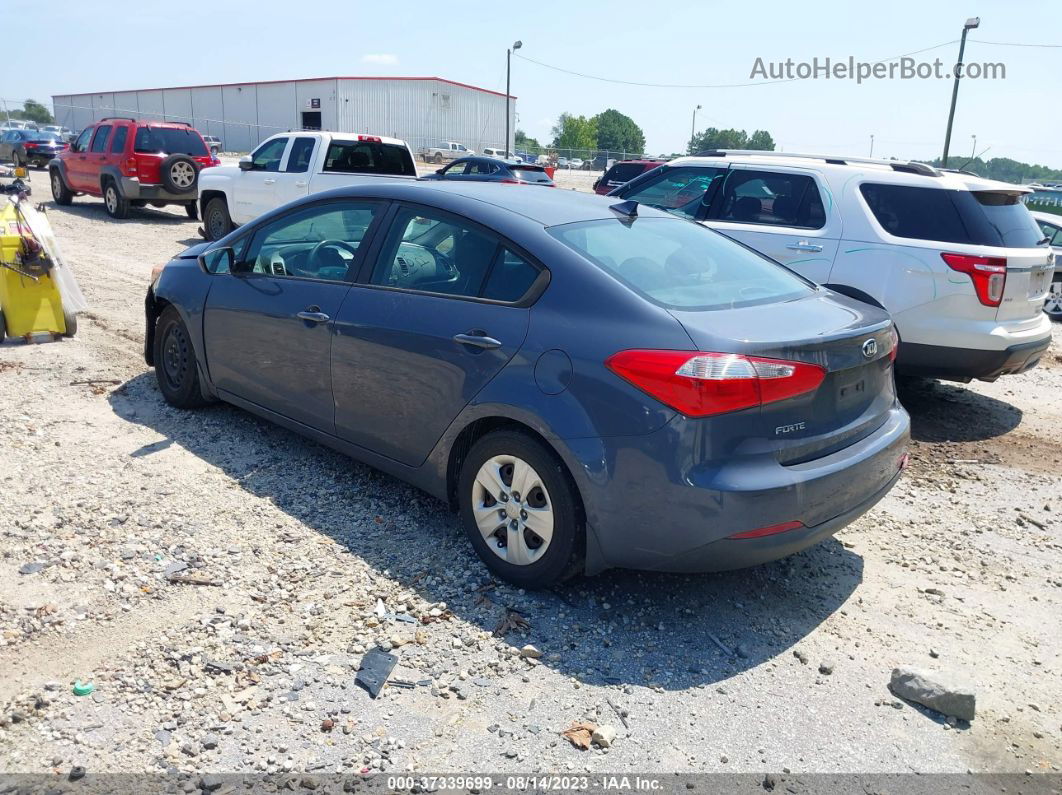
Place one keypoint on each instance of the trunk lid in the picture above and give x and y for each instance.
(850, 340)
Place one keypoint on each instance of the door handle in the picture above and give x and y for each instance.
(300, 184)
(268, 181)
(477, 341)
(312, 314)
(803, 245)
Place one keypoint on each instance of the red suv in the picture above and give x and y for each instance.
(133, 163)
(623, 172)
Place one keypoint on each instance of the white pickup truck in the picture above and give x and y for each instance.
(288, 166)
(447, 150)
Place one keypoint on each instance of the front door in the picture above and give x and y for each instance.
(432, 324)
(254, 191)
(268, 325)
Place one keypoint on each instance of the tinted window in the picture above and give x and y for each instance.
(482, 167)
(623, 172)
(679, 190)
(169, 141)
(368, 157)
(681, 265)
(435, 253)
(45, 137)
(317, 242)
(510, 278)
(99, 140)
(267, 156)
(951, 216)
(532, 175)
(299, 156)
(118, 141)
(769, 197)
(1051, 232)
(82, 140)
(455, 169)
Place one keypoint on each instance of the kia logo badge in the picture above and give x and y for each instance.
(870, 347)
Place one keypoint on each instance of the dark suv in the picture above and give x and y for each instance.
(623, 172)
(132, 163)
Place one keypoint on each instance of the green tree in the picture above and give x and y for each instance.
(618, 133)
(574, 132)
(523, 141)
(713, 138)
(35, 111)
(761, 139)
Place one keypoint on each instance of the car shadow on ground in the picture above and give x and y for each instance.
(946, 412)
(620, 627)
(93, 210)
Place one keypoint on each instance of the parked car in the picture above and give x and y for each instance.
(18, 124)
(132, 163)
(526, 157)
(487, 169)
(447, 150)
(562, 162)
(291, 165)
(501, 154)
(1051, 225)
(64, 133)
(214, 143)
(954, 258)
(590, 385)
(575, 162)
(30, 147)
(623, 172)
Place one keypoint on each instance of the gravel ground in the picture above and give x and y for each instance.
(296, 561)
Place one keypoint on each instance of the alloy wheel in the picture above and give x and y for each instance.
(513, 510)
(1053, 302)
(110, 198)
(182, 174)
(57, 185)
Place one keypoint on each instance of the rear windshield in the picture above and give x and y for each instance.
(624, 172)
(981, 218)
(44, 136)
(681, 265)
(368, 157)
(532, 175)
(169, 141)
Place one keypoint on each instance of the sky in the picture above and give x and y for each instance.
(686, 42)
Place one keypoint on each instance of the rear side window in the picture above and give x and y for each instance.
(118, 141)
(682, 191)
(169, 141)
(680, 265)
(532, 175)
(983, 218)
(368, 157)
(300, 154)
(99, 140)
(510, 278)
(771, 197)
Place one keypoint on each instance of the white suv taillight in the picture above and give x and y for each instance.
(988, 274)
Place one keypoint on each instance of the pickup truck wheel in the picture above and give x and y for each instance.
(62, 194)
(438, 157)
(216, 220)
(179, 173)
(192, 210)
(117, 205)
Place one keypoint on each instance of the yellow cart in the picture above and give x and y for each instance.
(30, 300)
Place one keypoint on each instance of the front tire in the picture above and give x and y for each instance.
(60, 192)
(520, 510)
(117, 205)
(175, 363)
(216, 220)
(1053, 302)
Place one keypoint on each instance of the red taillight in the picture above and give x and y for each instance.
(371, 138)
(772, 530)
(129, 167)
(703, 384)
(988, 274)
(31, 146)
(894, 335)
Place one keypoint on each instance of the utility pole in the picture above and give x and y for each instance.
(693, 127)
(871, 145)
(971, 23)
(508, 61)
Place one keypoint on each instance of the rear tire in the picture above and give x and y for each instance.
(175, 364)
(438, 158)
(60, 192)
(70, 319)
(16, 159)
(1053, 303)
(192, 210)
(116, 204)
(3, 326)
(216, 220)
(514, 551)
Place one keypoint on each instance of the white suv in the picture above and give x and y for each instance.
(957, 260)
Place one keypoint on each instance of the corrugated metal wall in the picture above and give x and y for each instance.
(422, 112)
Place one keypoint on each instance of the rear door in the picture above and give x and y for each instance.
(428, 327)
(254, 191)
(781, 212)
(293, 180)
(268, 325)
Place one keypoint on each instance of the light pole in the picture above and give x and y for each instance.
(871, 144)
(971, 23)
(508, 59)
(693, 128)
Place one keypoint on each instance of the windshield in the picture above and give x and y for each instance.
(170, 141)
(681, 265)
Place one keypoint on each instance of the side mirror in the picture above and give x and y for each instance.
(246, 164)
(440, 171)
(218, 260)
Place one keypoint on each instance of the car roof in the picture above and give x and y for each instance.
(548, 207)
(1051, 218)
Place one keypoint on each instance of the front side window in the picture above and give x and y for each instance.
(267, 156)
(680, 265)
(1052, 233)
(435, 253)
(300, 154)
(682, 191)
(99, 140)
(775, 198)
(318, 242)
(82, 140)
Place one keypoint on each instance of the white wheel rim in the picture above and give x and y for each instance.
(1053, 302)
(513, 510)
(182, 174)
(57, 186)
(112, 199)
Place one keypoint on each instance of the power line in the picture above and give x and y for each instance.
(1015, 44)
(710, 85)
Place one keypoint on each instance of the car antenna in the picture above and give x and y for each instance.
(627, 211)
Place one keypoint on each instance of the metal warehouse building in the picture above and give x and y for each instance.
(420, 110)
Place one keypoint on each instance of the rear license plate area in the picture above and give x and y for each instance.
(1038, 282)
(852, 391)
